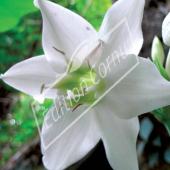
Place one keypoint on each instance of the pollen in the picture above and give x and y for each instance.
(80, 104)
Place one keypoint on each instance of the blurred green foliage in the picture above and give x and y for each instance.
(21, 42)
(20, 126)
(11, 12)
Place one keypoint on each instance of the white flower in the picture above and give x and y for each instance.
(141, 91)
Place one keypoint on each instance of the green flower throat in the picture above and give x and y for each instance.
(77, 83)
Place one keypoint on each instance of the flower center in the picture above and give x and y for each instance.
(79, 87)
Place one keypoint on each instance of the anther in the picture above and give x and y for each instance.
(59, 109)
(101, 43)
(87, 28)
(80, 104)
(42, 88)
(84, 93)
(88, 62)
(62, 52)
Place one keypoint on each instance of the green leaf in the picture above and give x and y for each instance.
(163, 116)
(11, 11)
(161, 69)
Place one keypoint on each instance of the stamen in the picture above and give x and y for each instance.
(70, 66)
(80, 104)
(101, 42)
(59, 109)
(88, 63)
(42, 88)
(62, 52)
(84, 93)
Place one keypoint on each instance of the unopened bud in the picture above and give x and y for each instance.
(166, 30)
(168, 64)
(157, 50)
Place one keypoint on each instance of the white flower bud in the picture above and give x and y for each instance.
(168, 64)
(157, 50)
(166, 30)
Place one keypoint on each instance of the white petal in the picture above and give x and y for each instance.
(166, 30)
(168, 64)
(90, 51)
(64, 30)
(121, 28)
(72, 145)
(119, 138)
(29, 75)
(139, 91)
